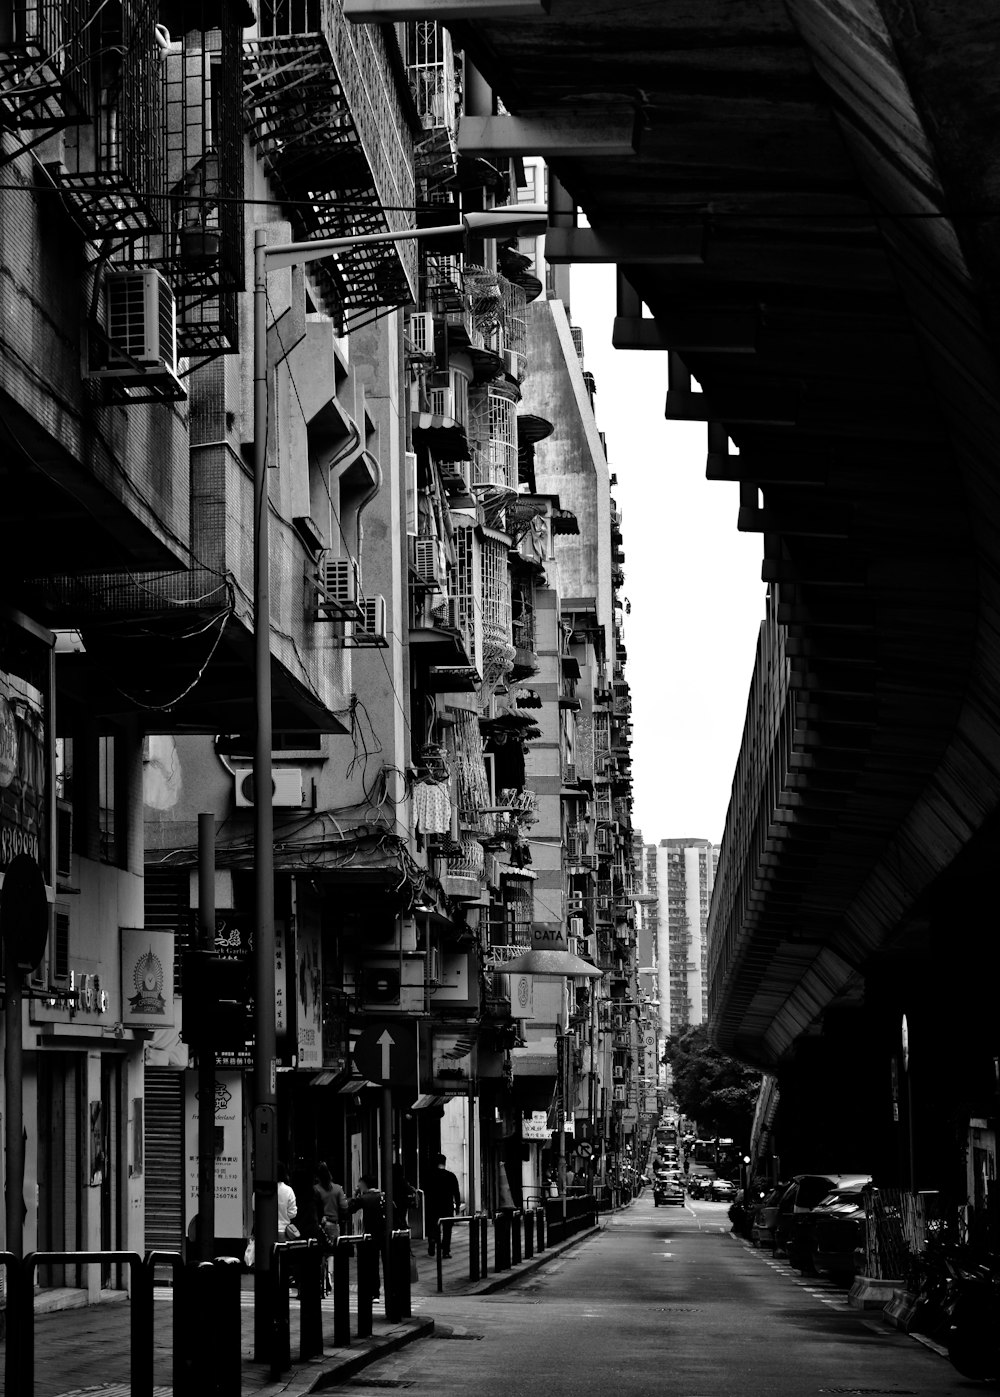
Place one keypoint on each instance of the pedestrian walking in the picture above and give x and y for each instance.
(444, 1199)
(332, 1211)
(369, 1201)
(288, 1208)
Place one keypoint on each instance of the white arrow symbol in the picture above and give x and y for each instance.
(385, 1041)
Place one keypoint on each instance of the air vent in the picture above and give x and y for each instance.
(371, 628)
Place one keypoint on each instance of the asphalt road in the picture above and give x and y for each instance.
(661, 1301)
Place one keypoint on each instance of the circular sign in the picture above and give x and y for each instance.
(24, 912)
(585, 1149)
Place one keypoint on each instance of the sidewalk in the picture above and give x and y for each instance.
(82, 1349)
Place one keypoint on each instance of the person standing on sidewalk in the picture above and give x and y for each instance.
(370, 1202)
(332, 1211)
(443, 1201)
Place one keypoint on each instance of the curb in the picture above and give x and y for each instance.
(321, 1373)
(525, 1268)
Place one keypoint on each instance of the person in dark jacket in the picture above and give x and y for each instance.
(369, 1201)
(443, 1201)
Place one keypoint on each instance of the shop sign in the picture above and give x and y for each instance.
(309, 997)
(228, 1135)
(25, 741)
(536, 1126)
(147, 970)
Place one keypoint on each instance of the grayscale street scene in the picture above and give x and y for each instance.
(499, 739)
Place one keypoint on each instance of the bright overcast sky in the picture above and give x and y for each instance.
(692, 580)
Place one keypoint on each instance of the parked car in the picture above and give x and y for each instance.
(801, 1196)
(765, 1214)
(800, 1229)
(839, 1233)
(667, 1191)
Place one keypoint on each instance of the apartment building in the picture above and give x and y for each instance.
(448, 692)
(685, 875)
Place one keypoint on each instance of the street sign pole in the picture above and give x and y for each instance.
(391, 1305)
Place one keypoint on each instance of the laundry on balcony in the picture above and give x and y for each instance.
(432, 807)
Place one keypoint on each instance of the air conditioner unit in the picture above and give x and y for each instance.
(513, 364)
(572, 945)
(371, 628)
(574, 903)
(140, 329)
(618, 1093)
(618, 1021)
(451, 398)
(421, 334)
(339, 595)
(286, 786)
(619, 1074)
(426, 558)
(576, 926)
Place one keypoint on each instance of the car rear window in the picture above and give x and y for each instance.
(812, 1191)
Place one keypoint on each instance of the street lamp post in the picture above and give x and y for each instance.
(491, 223)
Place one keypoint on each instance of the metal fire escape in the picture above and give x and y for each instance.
(327, 122)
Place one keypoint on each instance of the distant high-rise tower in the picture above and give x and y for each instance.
(685, 875)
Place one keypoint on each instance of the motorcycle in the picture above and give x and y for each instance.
(973, 1310)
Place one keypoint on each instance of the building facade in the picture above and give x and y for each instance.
(449, 703)
(685, 873)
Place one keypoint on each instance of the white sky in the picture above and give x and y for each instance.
(693, 582)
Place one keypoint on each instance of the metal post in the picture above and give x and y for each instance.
(342, 1293)
(385, 1241)
(206, 1048)
(474, 1249)
(265, 1050)
(14, 1106)
(484, 1233)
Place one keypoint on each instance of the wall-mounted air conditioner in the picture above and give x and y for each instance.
(450, 397)
(140, 328)
(426, 559)
(619, 1074)
(572, 945)
(575, 926)
(618, 1021)
(371, 627)
(513, 364)
(420, 332)
(339, 589)
(286, 786)
(618, 1093)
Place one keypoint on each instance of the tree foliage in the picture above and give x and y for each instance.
(716, 1091)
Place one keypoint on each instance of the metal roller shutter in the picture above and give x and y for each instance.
(163, 1162)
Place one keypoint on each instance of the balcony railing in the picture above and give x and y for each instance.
(327, 122)
(45, 65)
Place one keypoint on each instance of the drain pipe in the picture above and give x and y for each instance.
(363, 505)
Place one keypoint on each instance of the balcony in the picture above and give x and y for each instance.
(326, 119)
(431, 69)
(45, 66)
(112, 175)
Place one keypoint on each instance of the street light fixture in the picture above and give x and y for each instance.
(490, 223)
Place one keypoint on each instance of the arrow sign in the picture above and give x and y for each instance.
(386, 1051)
(386, 1042)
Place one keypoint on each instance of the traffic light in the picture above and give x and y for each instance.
(216, 1002)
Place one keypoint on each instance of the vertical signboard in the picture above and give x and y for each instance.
(309, 995)
(25, 745)
(228, 1147)
(147, 970)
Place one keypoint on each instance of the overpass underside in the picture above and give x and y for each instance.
(806, 196)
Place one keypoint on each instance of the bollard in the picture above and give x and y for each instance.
(484, 1232)
(399, 1270)
(540, 1220)
(474, 1240)
(529, 1234)
(310, 1268)
(281, 1333)
(501, 1242)
(367, 1275)
(515, 1238)
(342, 1292)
